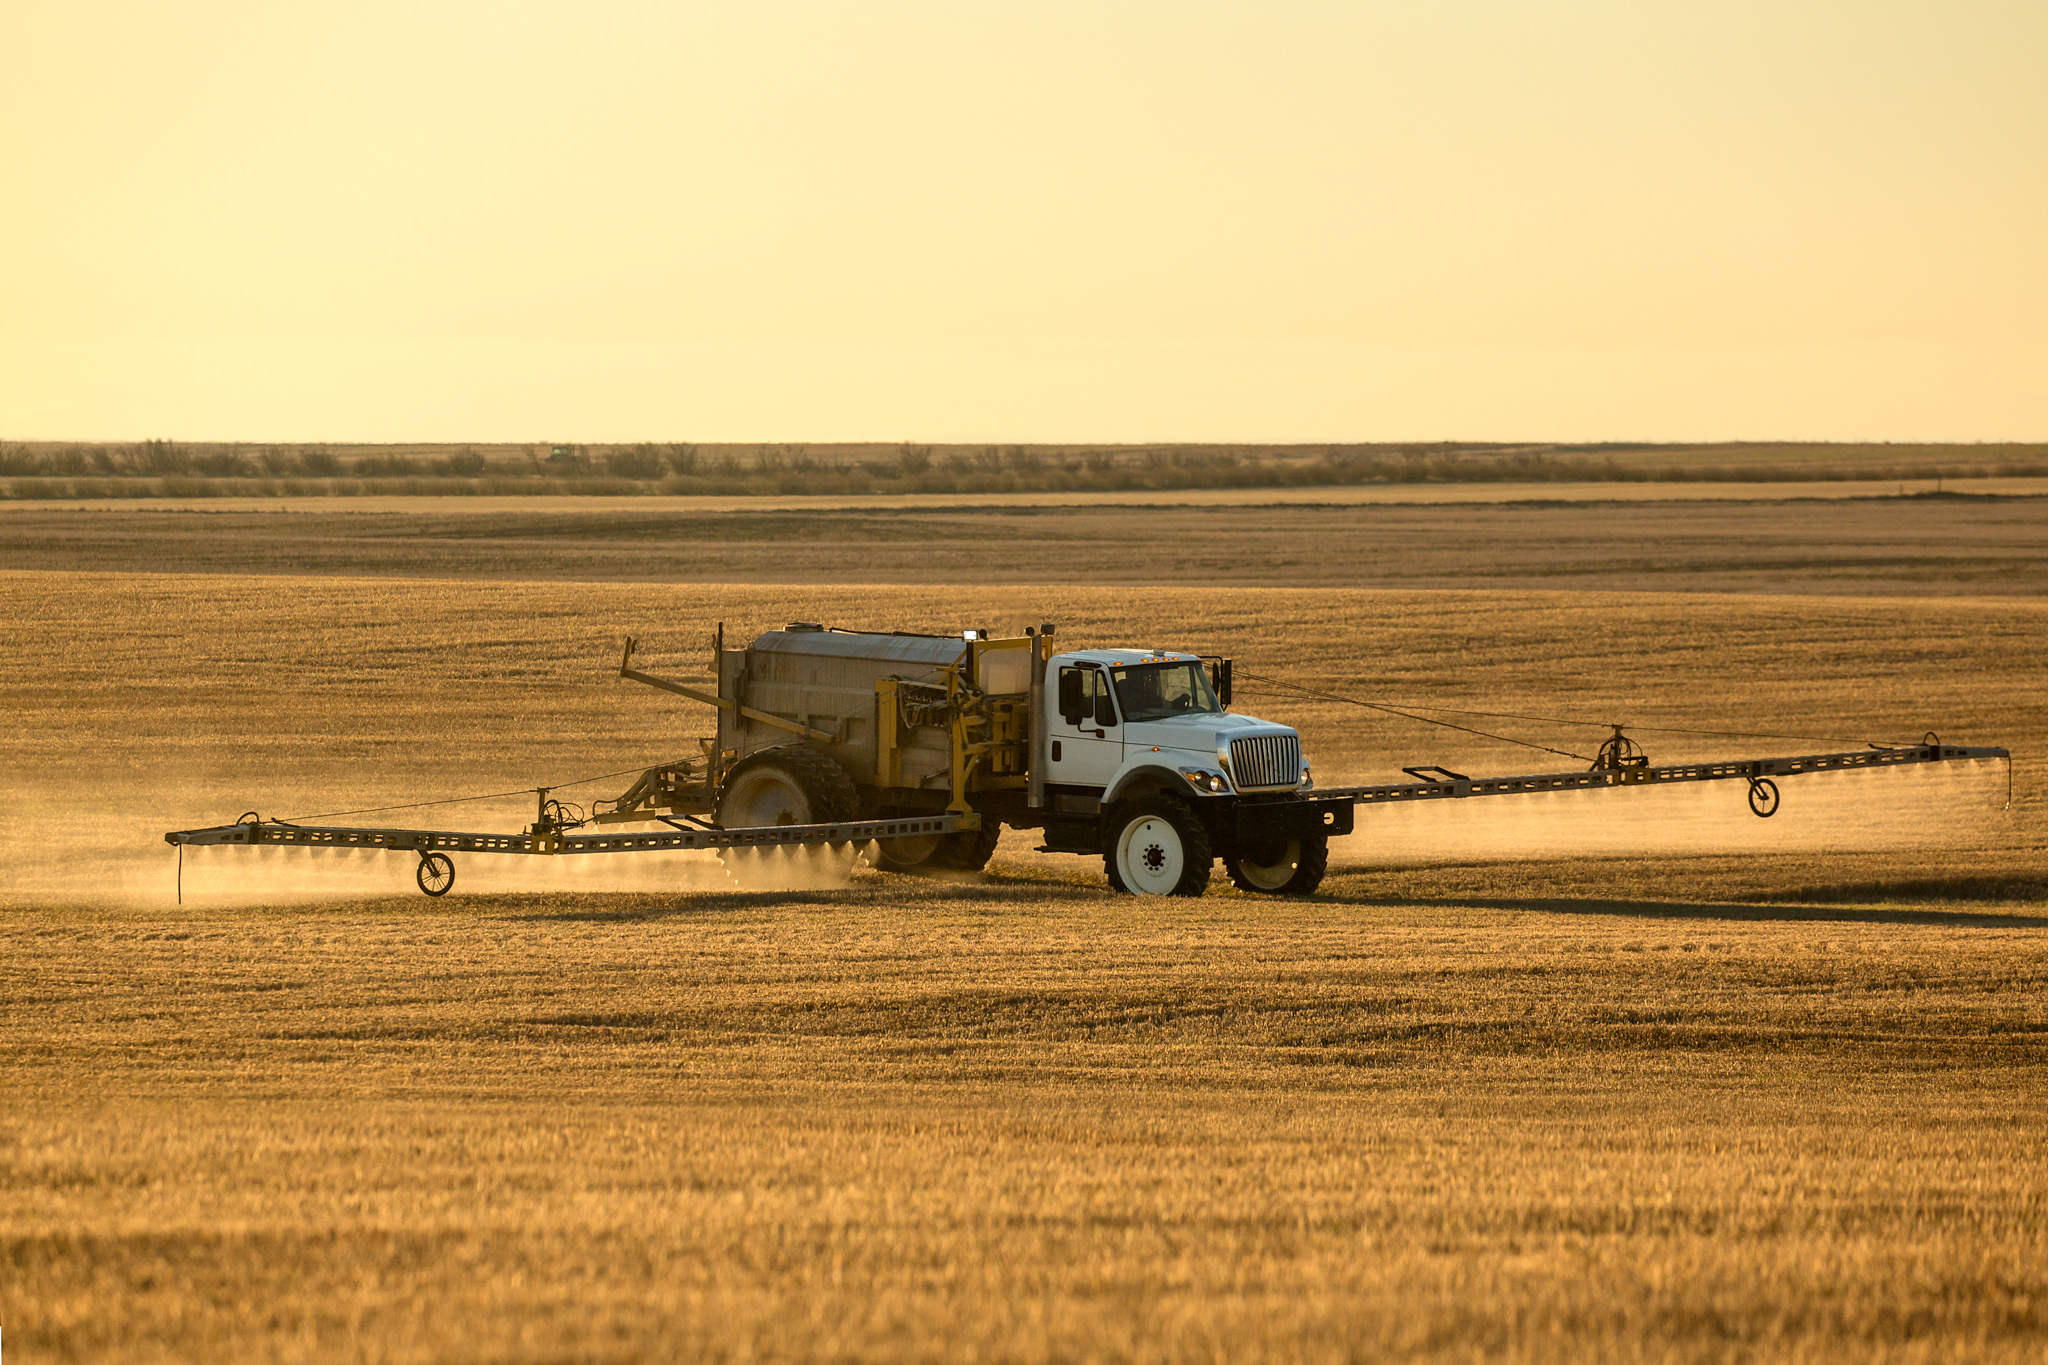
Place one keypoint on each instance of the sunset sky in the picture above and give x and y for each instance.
(1291, 220)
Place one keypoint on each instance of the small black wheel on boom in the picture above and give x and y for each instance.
(1763, 797)
(436, 873)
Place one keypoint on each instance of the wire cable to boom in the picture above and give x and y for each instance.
(1641, 729)
(453, 800)
(1410, 715)
(1405, 706)
(1760, 734)
(1407, 710)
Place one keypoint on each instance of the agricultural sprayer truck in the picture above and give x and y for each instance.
(921, 748)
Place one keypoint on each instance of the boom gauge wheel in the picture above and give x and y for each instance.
(436, 873)
(1763, 797)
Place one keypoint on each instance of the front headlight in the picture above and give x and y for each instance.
(1307, 779)
(1205, 781)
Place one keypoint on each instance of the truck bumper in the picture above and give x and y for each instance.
(1265, 822)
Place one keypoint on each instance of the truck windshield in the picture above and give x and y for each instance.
(1161, 691)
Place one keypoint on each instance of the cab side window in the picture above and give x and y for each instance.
(1073, 695)
(1084, 697)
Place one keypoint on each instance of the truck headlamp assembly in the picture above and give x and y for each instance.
(1307, 778)
(1206, 781)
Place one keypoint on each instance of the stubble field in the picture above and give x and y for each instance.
(1916, 545)
(1590, 1076)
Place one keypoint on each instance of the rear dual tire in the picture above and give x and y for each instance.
(938, 854)
(793, 784)
(1296, 868)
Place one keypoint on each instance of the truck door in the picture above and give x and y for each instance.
(1087, 745)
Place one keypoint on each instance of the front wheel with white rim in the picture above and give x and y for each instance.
(1157, 847)
(1295, 867)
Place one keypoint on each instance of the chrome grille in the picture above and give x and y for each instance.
(1266, 761)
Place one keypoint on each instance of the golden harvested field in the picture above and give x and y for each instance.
(1617, 1075)
(1933, 545)
(1023, 1121)
(1921, 488)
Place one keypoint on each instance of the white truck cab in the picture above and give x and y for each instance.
(1119, 713)
(1143, 764)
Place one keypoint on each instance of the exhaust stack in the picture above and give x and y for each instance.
(1041, 655)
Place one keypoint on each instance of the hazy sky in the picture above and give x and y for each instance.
(1044, 221)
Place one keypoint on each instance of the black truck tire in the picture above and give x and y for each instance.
(1298, 871)
(790, 784)
(967, 851)
(970, 850)
(1156, 846)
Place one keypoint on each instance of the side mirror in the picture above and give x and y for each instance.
(1105, 710)
(1219, 679)
(1072, 706)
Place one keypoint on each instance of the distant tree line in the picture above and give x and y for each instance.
(193, 469)
(160, 459)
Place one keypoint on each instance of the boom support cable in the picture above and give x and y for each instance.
(1408, 711)
(1410, 715)
(453, 800)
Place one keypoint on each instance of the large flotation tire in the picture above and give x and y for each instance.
(1157, 846)
(790, 784)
